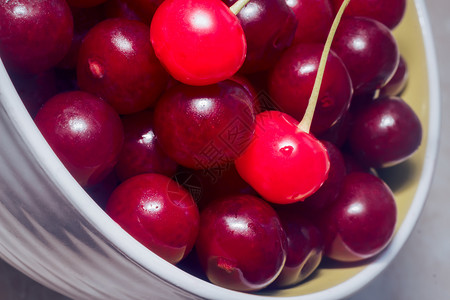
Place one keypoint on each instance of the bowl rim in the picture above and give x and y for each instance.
(140, 255)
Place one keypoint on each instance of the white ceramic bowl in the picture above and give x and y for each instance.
(52, 231)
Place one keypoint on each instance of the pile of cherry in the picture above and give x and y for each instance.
(185, 120)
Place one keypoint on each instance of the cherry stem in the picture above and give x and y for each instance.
(236, 7)
(305, 123)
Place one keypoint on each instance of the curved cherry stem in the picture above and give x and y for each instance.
(236, 7)
(305, 123)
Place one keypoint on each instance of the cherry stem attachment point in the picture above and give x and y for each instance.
(305, 123)
(236, 7)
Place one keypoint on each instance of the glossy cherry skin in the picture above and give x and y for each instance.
(330, 189)
(388, 12)
(385, 133)
(157, 212)
(305, 246)
(34, 35)
(397, 84)
(241, 243)
(292, 79)
(199, 42)
(84, 3)
(84, 132)
(282, 163)
(361, 222)
(368, 50)
(314, 20)
(205, 126)
(269, 27)
(117, 63)
(141, 152)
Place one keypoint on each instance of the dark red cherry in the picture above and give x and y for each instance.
(283, 163)
(361, 222)
(117, 63)
(314, 20)
(304, 246)
(269, 27)
(398, 82)
(34, 35)
(385, 133)
(157, 212)
(141, 152)
(241, 243)
(388, 12)
(291, 82)
(85, 133)
(205, 126)
(199, 42)
(368, 50)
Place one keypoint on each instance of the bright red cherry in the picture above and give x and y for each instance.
(157, 212)
(283, 163)
(199, 42)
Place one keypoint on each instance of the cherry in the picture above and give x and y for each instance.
(141, 204)
(85, 133)
(34, 35)
(283, 163)
(205, 126)
(241, 243)
(141, 152)
(199, 42)
(84, 3)
(385, 133)
(361, 222)
(291, 82)
(388, 12)
(368, 50)
(308, 12)
(398, 82)
(269, 27)
(117, 63)
(304, 246)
